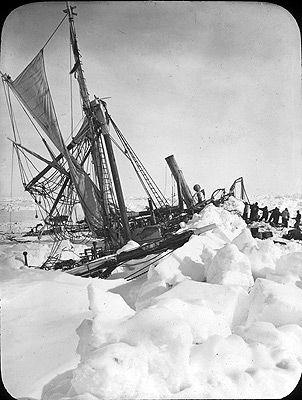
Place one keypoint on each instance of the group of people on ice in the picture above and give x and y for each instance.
(251, 214)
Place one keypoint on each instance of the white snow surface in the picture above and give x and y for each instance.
(220, 317)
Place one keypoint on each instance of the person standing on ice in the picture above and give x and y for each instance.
(285, 217)
(298, 220)
(254, 212)
(264, 216)
(275, 214)
(246, 210)
(200, 193)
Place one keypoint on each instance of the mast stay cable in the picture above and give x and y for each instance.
(48, 40)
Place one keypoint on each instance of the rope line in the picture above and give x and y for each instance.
(54, 32)
(11, 190)
(71, 94)
(142, 262)
(148, 265)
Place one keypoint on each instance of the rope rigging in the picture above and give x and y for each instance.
(48, 40)
(155, 258)
(55, 188)
(150, 187)
(11, 190)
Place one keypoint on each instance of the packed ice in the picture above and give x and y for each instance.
(219, 317)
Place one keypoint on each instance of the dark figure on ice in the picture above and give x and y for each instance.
(264, 216)
(285, 217)
(200, 193)
(254, 212)
(297, 219)
(275, 215)
(293, 234)
(246, 210)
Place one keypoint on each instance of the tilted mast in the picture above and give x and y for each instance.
(77, 66)
(94, 112)
(183, 188)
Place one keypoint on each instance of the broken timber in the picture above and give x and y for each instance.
(103, 266)
(183, 188)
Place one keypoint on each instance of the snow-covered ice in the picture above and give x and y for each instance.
(220, 317)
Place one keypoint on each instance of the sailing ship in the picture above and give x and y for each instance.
(83, 174)
(67, 179)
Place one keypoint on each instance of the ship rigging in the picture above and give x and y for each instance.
(68, 179)
(82, 175)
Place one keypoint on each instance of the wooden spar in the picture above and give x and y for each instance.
(101, 119)
(77, 58)
(115, 175)
(70, 146)
(99, 168)
(118, 187)
(182, 185)
(58, 197)
(180, 199)
(50, 163)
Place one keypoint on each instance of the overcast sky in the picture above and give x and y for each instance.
(217, 84)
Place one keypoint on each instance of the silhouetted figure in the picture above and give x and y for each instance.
(293, 234)
(264, 216)
(285, 217)
(254, 212)
(275, 215)
(245, 214)
(297, 219)
(200, 193)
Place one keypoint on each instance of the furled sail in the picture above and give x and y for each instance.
(32, 88)
(89, 195)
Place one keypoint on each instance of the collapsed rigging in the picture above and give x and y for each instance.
(57, 194)
(82, 177)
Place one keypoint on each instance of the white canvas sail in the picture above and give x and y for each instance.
(32, 88)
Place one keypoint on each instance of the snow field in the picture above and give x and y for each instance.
(220, 317)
